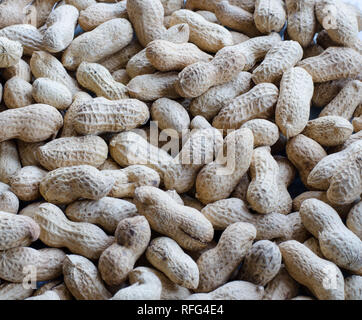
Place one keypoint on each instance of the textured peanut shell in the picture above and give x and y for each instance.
(279, 59)
(11, 52)
(338, 244)
(167, 56)
(25, 183)
(17, 93)
(139, 65)
(81, 4)
(293, 107)
(354, 219)
(48, 295)
(14, 291)
(33, 123)
(219, 178)
(329, 131)
(259, 102)
(9, 202)
(83, 279)
(93, 46)
(28, 152)
(53, 93)
(266, 133)
(121, 76)
(216, 265)
(357, 124)
(167, 256)
(59, 28)
(208, 36)
(269, 15)
(262, 263)
(17, 231)
(129, 148)
(117, 261)
(99, 80)
(13, 12)
(44, 65)
(101, 115)
(98, 13)
(313, 272)
(304, 153)
(353, 288)
(213, 100)
(47, 262)
(81, 238)
(21, 69)
(9, 160)
(186, 225)
(43, 9)
(333, 64)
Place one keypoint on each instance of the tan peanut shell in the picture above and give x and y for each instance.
(312, 50)
(197, 78)
(269, 15)
(333, 64)
(13, 12)
(239, 37)
(144, 285)
(167, 256)
(102, 115)
(14, 291)
(17, 93)
(129, 148)
(65, 185)
(9, 202)
(302, 23)
(25, 183)
(47, 263)
(186, 225)
(121, 76)
(28, 152)
(233, 290)
(304, 153)
(263, 191)
(313, 272)
(357, 124)
(241, 189)
(17, 231)
(21, 69)
(44, 65)
(93, 46)
(98, 13)
(117, 261)
(83, 279)
(262, 263)
(48, 295)
(150, 87)
(293, 107)
(9, 160)
(279, 59)
(352, 287)
(345, 102)
(29, 36)
(208, 36)
(99, 80)
(81, 4)
(11, 52)
(33, 123)
(139, 65)
(329, 131)
(53, 93)
(266, 133)
(167, 56)
(354, 219)
(236, 18)
(337, 242)
(171, 115)
(336, 18)
(219, 178)
(81, 238)
(73, 151)
(208, 15)
(106, 212)
(213, 100)
(282, 287)
(59, 28)
(216, 265)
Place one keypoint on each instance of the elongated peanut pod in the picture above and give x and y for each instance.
(11, 52)
(269, 15)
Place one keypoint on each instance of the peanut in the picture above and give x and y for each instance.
(73, 151)
(33, 123)
(9, 202)
(313, 272)
(139, 65)
(217, 264)
(47, 262)
(50, 92)
(65, 185)
(99, 80)
(21, 69)
(28, 152)
(12, 12)
(9, 160)
(14, 291)
(269, 15)
(81, 4)
(353, 288)
(11, 52)
(81, 238)
(265, 132)
(186, 225)
(83, 279)
(48, 295)
(167, 256)
(354, 219)
(17, 93)
(117, 261)
(121, 76)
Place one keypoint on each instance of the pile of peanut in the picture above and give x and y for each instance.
(93, 207)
